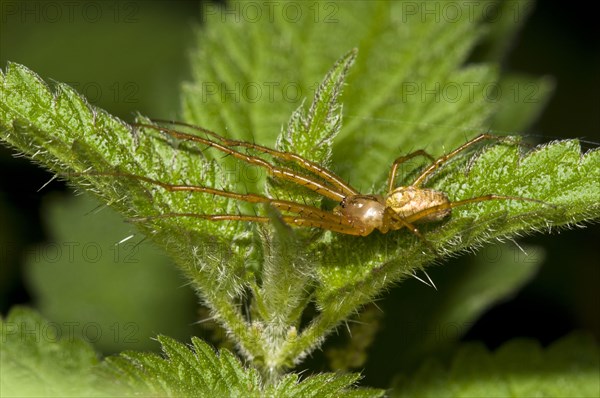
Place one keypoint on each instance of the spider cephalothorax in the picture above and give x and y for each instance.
(366, 212)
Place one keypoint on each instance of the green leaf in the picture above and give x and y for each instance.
(37, 359)
(198, 371)
(408, 82)
(521, 99)
(438, 319)
(399, 97)
(40, 360)
(310, 133)
(68, 135)
(97, 286)
(520, 368)
(557, 174)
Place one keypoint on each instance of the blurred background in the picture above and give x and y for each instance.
(58, 253)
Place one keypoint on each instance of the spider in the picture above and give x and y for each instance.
(356, 214)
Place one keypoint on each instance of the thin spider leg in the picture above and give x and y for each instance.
(340, 225)
(440, 161)
(286, 156)
(450, 205)
(209, 217)
(398, 222)
(402, 159)
(274, 171)
(283, 205)
(337, 192)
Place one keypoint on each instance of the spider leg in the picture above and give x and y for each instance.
(402, 159)
(341, 225)
(394, 222)
(307, 216)
(450, 205)
(304, 211)
(313, 167)
(274, 171)
(440, 161)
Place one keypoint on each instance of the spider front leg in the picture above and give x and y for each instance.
(306, 164)
(436, 163)
(443, 159)
(336, 192)
(402, 159)
(415, 204)
(393, 222)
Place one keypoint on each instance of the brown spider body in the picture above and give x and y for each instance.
(409, 201)
(370, 212)
(365, 212)
(356, 214)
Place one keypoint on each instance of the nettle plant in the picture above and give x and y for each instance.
(277, 289)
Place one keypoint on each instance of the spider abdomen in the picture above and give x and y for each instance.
(419, 203)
